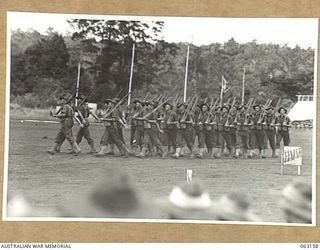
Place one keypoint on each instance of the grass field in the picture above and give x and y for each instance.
(47, 181)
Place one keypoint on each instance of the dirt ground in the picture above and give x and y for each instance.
(47, 181)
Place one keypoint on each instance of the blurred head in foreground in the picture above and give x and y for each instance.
(235, 206)
(18, 206)
(114, 197)
(296, 202)
(187, 201)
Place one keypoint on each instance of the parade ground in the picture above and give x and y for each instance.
(49, 181)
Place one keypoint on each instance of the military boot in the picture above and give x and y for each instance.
(191, 154)
(101, 151)
(200, 153)
(125, 152)
(226, 152)
(275, 153)
(177, 153)
(263, 153)
(236, 153)
(76, 148)
(259, 154)
(249, 153)
(245, 153)
(210, 153)
(218, 153)
(143, 152)
(111, 151)
(55, 149)
(93, 149)
(164, 152)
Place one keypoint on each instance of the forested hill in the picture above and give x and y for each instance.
(43, 65)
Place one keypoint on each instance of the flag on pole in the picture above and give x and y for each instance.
(224, 85)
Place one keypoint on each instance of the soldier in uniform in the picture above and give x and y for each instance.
(65, 116)
(151, 128)
(258, 139)
(138, 127)
(168, 137)
(220, 115)
(283, 123)
(226, 130)
(83, 112)
(204, 131)
(111, 134)
(185, 131)
(242, 134)
(119, 126)
(269, 128)
(233, 127)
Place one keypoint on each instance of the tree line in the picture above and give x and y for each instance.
(44, 65)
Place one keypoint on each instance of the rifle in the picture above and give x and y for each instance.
(250, 103)
(268, 102)
(174, 108)
(212, 107)
(288, 110)
(145, 98)
(273, 120)
(143, 108)
(194, 105)
(193, 100)
(229, 113)
(116, 106)
(155, 109)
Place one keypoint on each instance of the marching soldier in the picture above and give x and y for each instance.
(168, 137)
(283, 123)
(111, 134)
(83, 112)
(269, 128)
(65, 116)
(185, 131)
(151, 128)
(226, 130)
(220, 116)
(205, 131)
(233, 127)
(242, 134)
(258, 139)
(137, 125)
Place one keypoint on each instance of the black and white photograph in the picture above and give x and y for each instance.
(160, 119)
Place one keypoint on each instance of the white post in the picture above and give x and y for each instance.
(281, 160)
(299, 170)
(186, 77)
(189, 175)
(78, 83)
(131, 73)
(243, 81)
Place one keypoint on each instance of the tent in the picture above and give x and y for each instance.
(303, 110)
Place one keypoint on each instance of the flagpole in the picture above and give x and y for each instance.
(243, 82)
(186, 76)
(78, 83)
(131, 74)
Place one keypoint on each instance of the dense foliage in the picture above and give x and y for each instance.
(43, 65)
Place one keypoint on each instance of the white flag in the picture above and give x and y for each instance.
(224, 85)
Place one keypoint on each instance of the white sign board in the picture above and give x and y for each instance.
(291, 156)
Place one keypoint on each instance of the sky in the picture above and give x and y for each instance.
(196, 30)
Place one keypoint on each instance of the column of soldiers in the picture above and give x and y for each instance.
(166, 128)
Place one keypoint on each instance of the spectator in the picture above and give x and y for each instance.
(115, 197)
(235, 206)
(296, 202)
(187, 201)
